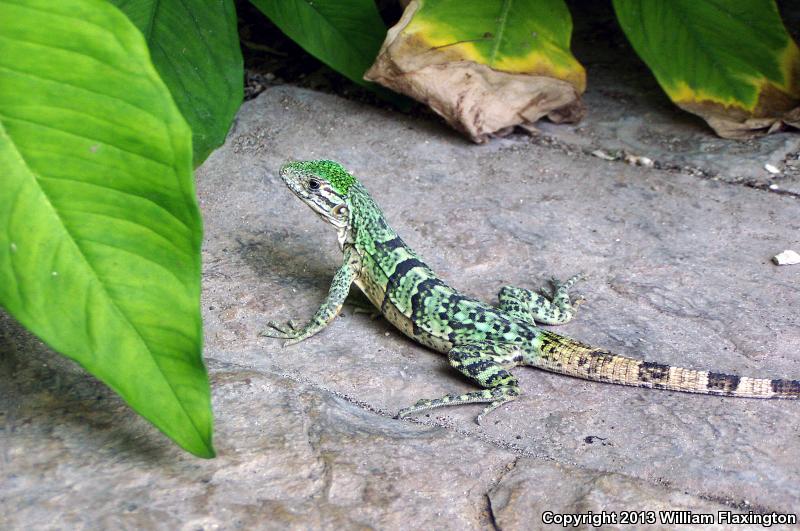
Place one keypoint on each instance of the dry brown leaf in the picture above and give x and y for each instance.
(474, 98)
(773, 112)
(792, 118)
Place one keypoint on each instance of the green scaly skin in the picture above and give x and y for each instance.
(482, 342)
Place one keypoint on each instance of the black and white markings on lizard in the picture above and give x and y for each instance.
(481, 341)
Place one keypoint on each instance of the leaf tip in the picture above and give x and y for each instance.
(205, 449)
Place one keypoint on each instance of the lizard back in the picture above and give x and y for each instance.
(417, 302)
(413, 298)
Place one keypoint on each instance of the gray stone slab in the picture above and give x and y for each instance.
(679, 273)
(291, 455)
(589, 499)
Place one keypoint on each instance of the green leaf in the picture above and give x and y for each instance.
(716, 56)
(99, 227)
(522, 36)
(344, 34)
(194, 45)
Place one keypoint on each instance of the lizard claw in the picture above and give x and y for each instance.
(277, 330)
(571, 281)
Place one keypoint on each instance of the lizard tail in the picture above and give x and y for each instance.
(566, 356)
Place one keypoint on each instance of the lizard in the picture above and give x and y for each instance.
(481, 341)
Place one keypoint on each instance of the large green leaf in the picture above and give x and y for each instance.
(517, 36)
(99, 227)
(343, 34)
(723, 60)
(194, 45)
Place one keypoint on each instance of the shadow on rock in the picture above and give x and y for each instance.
(288, 259)
(46, 395)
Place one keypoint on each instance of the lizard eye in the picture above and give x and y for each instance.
(313, 184)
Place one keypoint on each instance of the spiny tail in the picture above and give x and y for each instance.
(566, 356)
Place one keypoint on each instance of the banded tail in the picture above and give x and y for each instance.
(563, 355)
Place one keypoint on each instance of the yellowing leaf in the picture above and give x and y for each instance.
(521, 37)
(732, 63)
(484, 65)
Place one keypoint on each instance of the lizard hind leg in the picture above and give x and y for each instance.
(484, 366)
(531, 307)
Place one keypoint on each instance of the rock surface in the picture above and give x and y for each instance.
(526, 496)
(679, 272)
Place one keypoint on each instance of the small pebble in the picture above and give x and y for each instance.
(636, 160)
(600, 154)
(787, 257)
(772, 169)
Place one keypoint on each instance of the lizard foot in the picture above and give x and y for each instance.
(496, 398)
(532, 307)
(290, 331)
(559, 286)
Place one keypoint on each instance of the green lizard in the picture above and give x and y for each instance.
(480, 341)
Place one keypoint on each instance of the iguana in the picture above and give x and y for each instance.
(482, 342)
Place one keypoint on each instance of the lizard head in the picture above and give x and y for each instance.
(323, 185)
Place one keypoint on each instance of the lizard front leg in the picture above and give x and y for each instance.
(340, 287)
